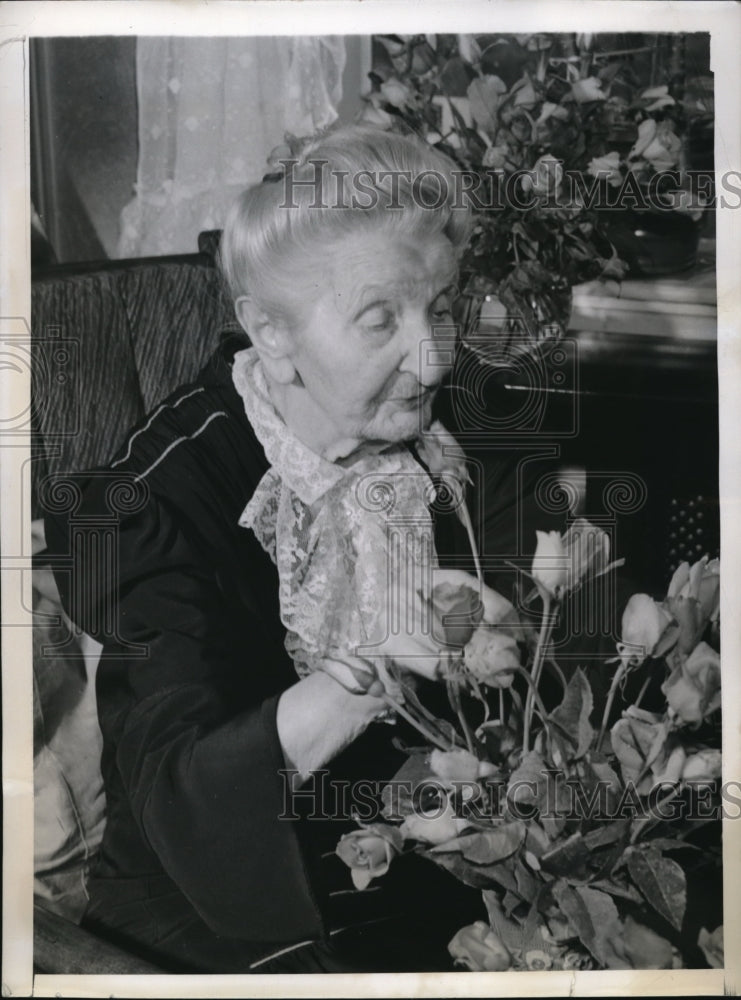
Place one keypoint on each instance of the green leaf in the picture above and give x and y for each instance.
(594, 917)
(477, 876)
(572, 715)
(566, 858)
(487, 847)
(662, 882)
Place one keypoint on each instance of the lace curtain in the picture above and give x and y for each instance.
(210, 112)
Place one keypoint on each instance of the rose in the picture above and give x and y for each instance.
(639, 739)
(587, 550)
(459, 766)
(692, 690)
(658, 144)
(537, 960)
(451, 602)
(491, 657)
(545, 178)
(434, 827)
(395, 92)
(705, 765)
(644, 948)
(587, 90)
(607, 168)
(478, 949)
(647, 630)
(496, 157)
(712, 947)
(368, 853)
(549, 568)
(701, 582)
(656, 98)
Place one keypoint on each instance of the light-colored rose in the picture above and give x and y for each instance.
(701, 581)
(395, 92)
(434, 827)
(669, 770)
(656, 98)
(492, 656)
(606, 168)
(496, 157)
(705, 765)
(454, 765)
(538, 961)
(644, 626)
(587, 90)
(478, 949)
(368, 853)
(545, 178)
(712, 947)
(658, 144)
(587, 550)
(644, 948)
(550, 565)
(693, 688)
(640, 738)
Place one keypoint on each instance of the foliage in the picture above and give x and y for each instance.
(576, 829)
(548, 130)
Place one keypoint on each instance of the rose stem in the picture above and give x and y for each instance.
(619, 674)
(545, 628)
(468, 524)
(538, 702)
(644, 688)
(420, 727)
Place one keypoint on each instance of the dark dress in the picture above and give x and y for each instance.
(199, 869)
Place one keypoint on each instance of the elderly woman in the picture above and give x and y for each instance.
(343, 270)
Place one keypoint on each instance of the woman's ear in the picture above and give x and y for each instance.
(272, 339)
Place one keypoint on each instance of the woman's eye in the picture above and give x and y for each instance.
(441, 309)
(379, 320)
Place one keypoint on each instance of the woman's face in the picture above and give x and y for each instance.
(377, 341)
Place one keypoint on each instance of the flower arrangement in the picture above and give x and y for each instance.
(549, 132)
(579, 831)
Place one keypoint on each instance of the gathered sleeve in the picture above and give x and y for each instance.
(188, 688)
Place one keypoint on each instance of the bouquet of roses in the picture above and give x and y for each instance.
(580, 832)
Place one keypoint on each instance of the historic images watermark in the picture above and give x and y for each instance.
(551, 796)
(488, 189)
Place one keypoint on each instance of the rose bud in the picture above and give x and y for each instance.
(693, 688)
(491, 657)
(644, 624)
(434, 827)
(550, 565)
(606, 168)
(368, 853)
(705, 765)
(545, 178)
(395, 92)
(478, 949)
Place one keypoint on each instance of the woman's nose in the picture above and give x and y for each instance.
(428, 349)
